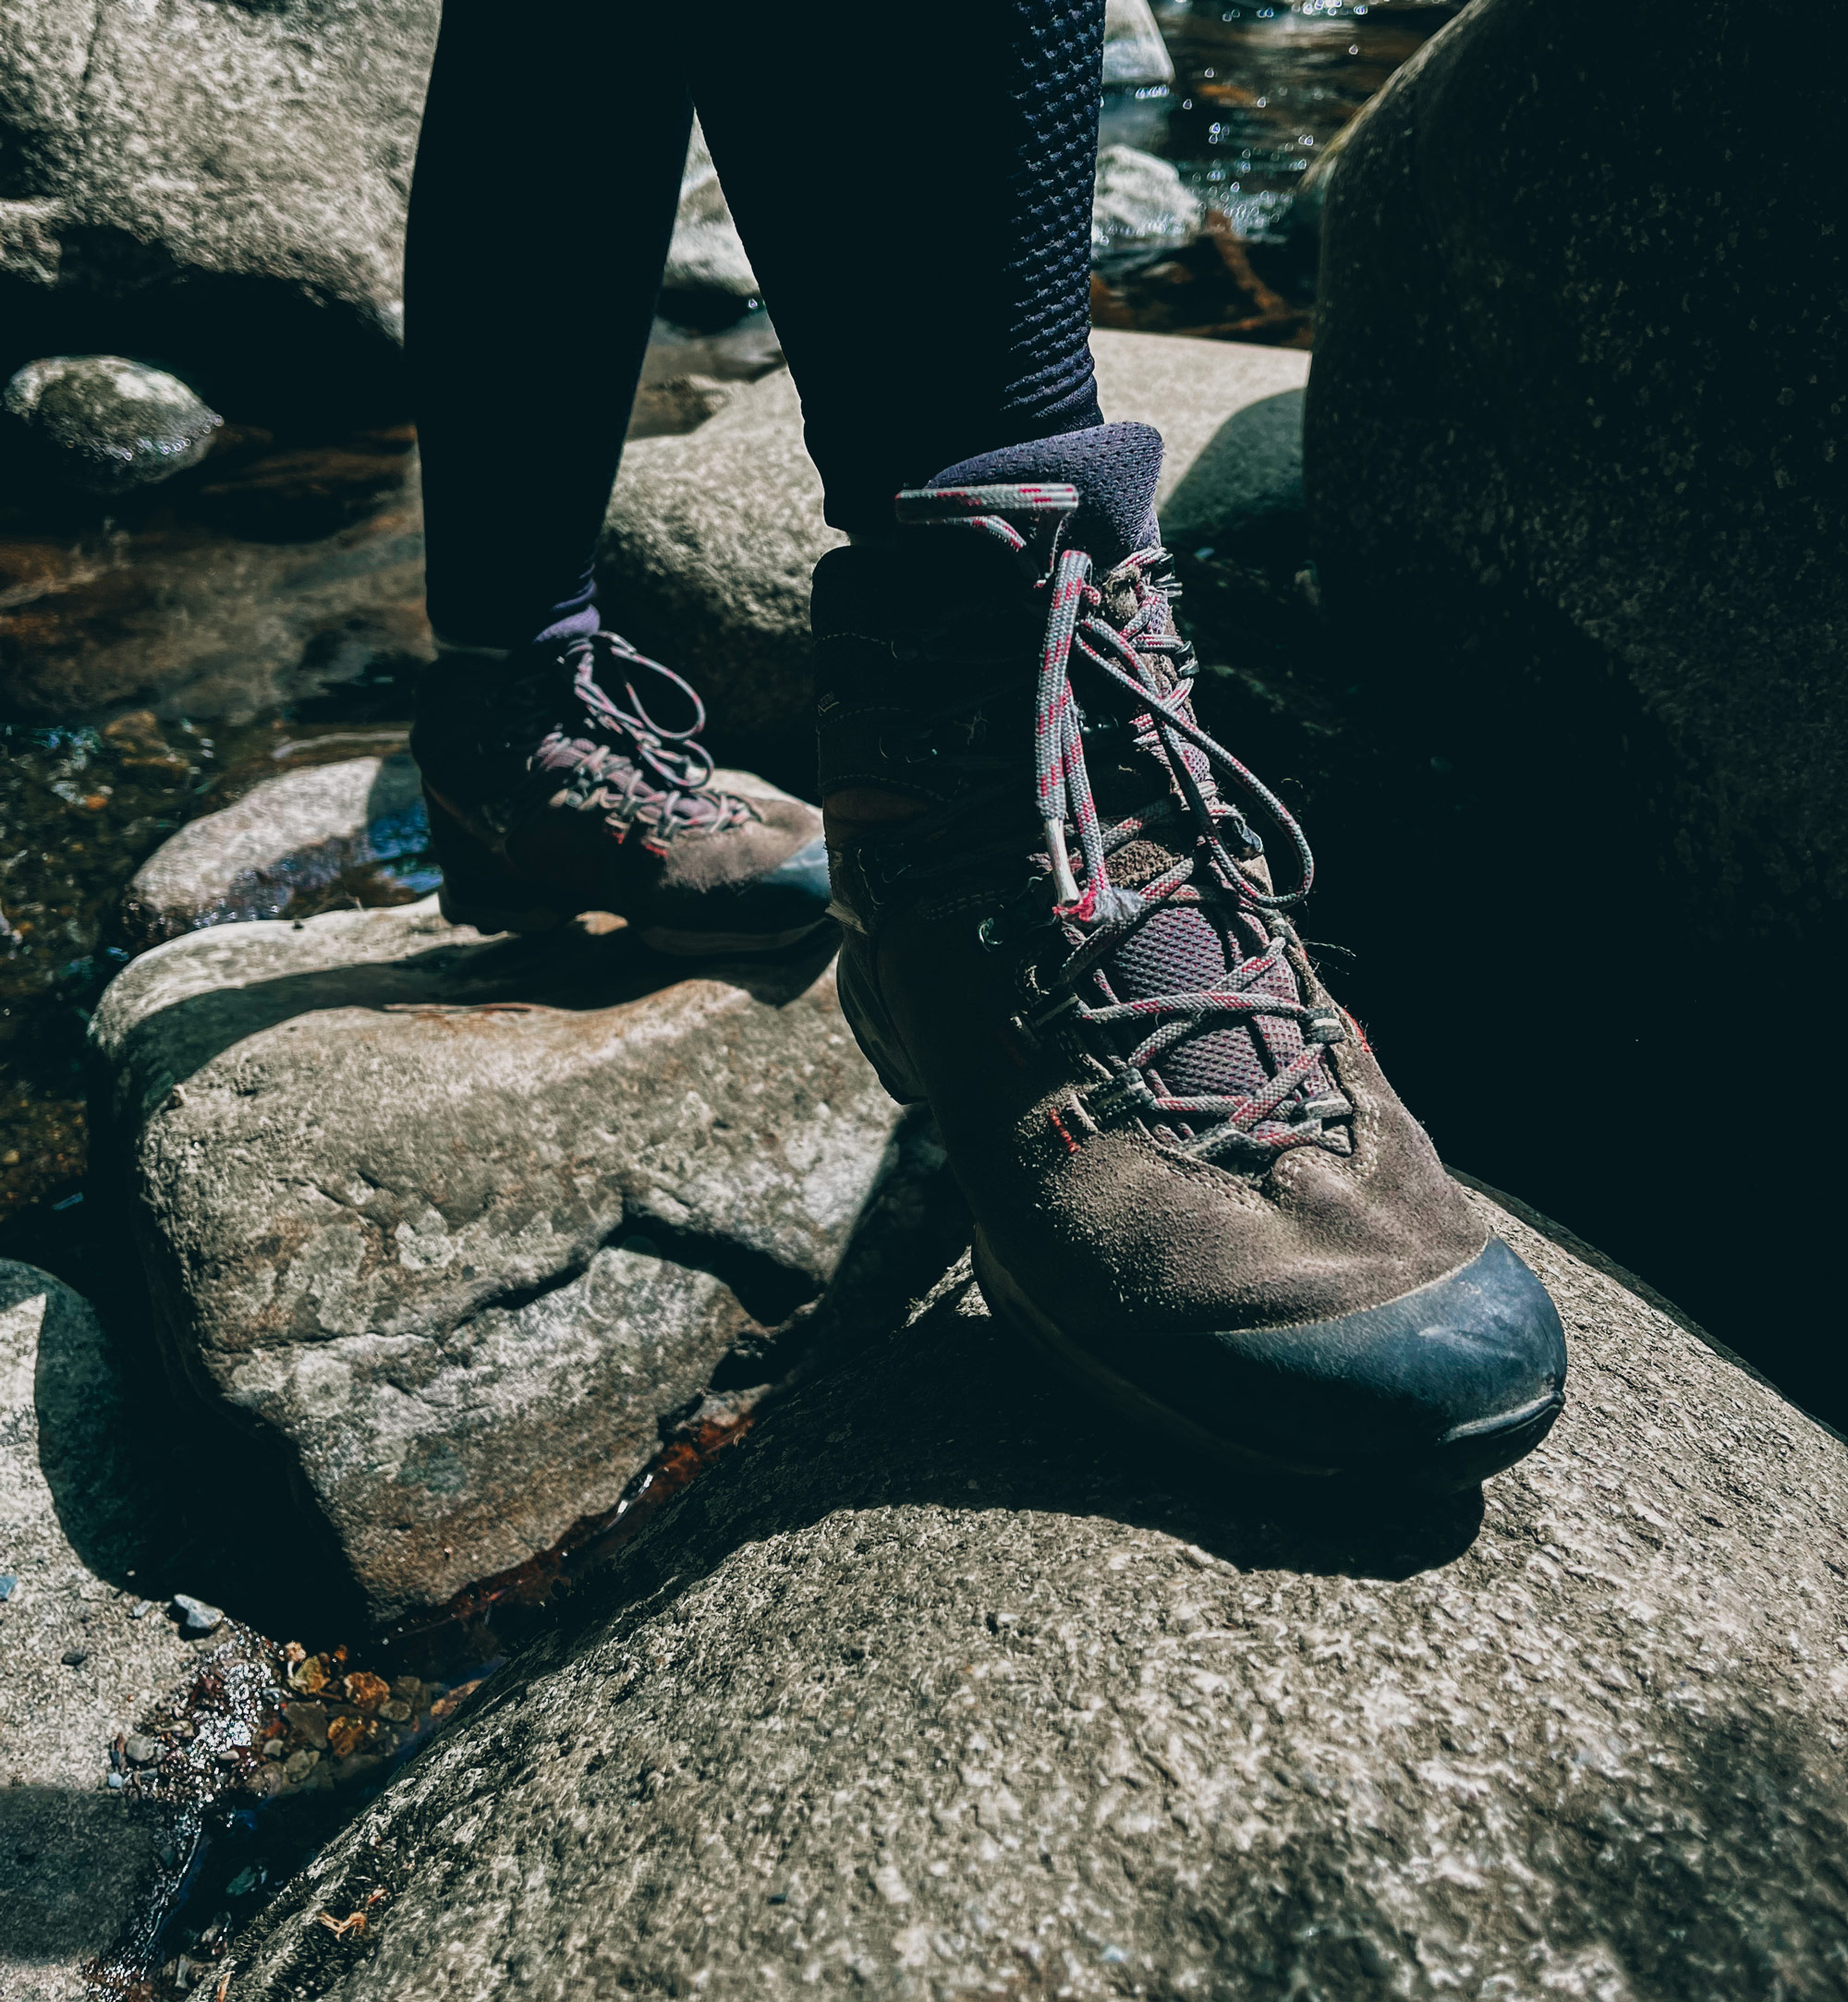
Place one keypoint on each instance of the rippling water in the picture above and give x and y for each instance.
(1260, 90)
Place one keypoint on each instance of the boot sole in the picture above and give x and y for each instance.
(535, 917)
(1466, 1456)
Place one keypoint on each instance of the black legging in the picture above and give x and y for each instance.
(913, 187)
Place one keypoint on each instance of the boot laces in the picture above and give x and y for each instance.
(1297, 1105)
(614, 758)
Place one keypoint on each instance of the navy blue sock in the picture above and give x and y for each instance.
(1114, 466)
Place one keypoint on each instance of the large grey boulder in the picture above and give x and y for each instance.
(711, 537)
(940, 1683)
(459, 1223)
(1574, 454)
(1599, 363)
(224, 186)
(82, 1656)
(284, 842)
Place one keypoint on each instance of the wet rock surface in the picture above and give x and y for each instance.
(931, 1684)
(1134, 52)
(280, 846)
(711, 537)
(458, 1223)
(259, 577)
(83, 1655)
(103, 424)
(1140, 199)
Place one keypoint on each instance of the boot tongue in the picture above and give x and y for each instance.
(1114, 468)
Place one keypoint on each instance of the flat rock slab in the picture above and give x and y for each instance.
(285, 840)
(711, 537)
(940, 1685)
(79, 1858)
(460, 1221)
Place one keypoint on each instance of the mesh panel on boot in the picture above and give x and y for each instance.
(1183, 952)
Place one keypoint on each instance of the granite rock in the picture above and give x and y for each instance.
(938, 1682)
(285, 840)
(74, 1508)
(458, 1223)
(707, 253)
(224, 186)
(1574, 456)
(105, 424)
(1140, 202)
(1581, 342)
(1134, 52)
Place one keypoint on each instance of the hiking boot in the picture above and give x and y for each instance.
(552, 790)
(1191, 1184)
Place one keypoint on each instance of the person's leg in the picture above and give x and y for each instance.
(562, 772)
(1189, 1181)
(913, 186)
(541, 209)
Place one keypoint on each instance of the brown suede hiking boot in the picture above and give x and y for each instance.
(1191, 1183)
(551, 790)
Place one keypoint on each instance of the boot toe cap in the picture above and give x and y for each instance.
(1446, 1385)
(1437, 1389)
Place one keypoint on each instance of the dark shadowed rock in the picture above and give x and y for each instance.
(1574, 458)
(1582, 338)
(940, 1683)
(283, 841)
(79, 1857)
(103, 424)
(459, 1223)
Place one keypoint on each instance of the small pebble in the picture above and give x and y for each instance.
(140, 1609)
(75, 1657)
(115, 1782)
(8, 1585)
(196, 1617)
(140, 1750)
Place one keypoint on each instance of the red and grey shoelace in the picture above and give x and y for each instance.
(615, 757)
(1099, 917)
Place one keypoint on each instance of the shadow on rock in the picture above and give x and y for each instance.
(568, 969)
(73, 1863)
(936, 1674)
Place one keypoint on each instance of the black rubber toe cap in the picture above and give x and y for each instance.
(1437, 1389)
(1444, 1385)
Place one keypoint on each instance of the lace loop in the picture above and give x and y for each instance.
(615, 757)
